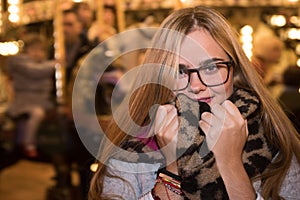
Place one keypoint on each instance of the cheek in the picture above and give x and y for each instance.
(221, 93)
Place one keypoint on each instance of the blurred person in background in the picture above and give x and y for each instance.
(76, 43)
(100, 32)
(5, 95)
(267, 52)
(290, 96)
(32, 80)
(85, 15)
(77, 46)
(275, 64)
(7, 153)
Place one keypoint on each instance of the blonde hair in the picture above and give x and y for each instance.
(278, 128)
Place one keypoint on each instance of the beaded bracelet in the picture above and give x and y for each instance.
(168, 173)
(169, 180)
(170, 184)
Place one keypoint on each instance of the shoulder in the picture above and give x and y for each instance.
(291, 185)
(290, 188)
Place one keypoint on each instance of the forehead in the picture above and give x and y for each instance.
(84, 7)
(198, 46)
(70, 17)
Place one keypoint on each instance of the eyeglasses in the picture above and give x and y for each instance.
(211, 74)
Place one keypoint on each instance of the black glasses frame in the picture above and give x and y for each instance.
(228, 64)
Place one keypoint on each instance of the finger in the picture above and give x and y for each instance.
(235, 115)
(169, 131)
(204, 126)
(164, 115)
(206, 121)
(208, 125)
(230, 108)
(169, 107)
(160, 118)
(218, 111)
(247, 131)
(211, 134)
(212, 126)
(213, 119)
(233, 112)
(171, 114)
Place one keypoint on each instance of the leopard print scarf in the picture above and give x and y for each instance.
(196, 164)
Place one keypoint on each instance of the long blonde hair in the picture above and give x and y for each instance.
(278, 128)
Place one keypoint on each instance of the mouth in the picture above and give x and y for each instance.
(205, 99)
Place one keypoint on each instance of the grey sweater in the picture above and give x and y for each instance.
(32, 83)
(139, 179)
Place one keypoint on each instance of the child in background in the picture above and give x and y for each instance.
(32, 78)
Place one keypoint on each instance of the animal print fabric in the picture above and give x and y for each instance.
(196, 164)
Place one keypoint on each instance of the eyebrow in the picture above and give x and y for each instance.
(205, 62)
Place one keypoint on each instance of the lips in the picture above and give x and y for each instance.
(205, 99)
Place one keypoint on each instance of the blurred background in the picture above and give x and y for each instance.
(44, 42)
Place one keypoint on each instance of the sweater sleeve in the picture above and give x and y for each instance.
(291, 185)
(129, 180)
(290, 188)
(25, 66)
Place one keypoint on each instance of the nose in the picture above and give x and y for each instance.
(195, 83)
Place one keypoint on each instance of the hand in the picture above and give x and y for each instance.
(166, 128)
(226, 132)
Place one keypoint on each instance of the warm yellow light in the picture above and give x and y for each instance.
(13, 9)
(246, 30)
(278, 20)
(13, 1)
(298, 62)
(59, 93)
(94, 167)
(294, 19)
(9, 48)
(13, 17)
(246, 38)
(247, 45)
(293, 33)
(297, 49)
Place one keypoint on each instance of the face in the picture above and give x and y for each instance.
(198, 50)
(72, 27)
(109, 17)
(37, 52)
(86, 14)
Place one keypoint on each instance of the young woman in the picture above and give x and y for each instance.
(162, 144)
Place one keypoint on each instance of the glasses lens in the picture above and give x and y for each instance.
(214, 74)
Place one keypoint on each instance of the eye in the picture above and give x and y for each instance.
(183, 72)
(210, 68)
